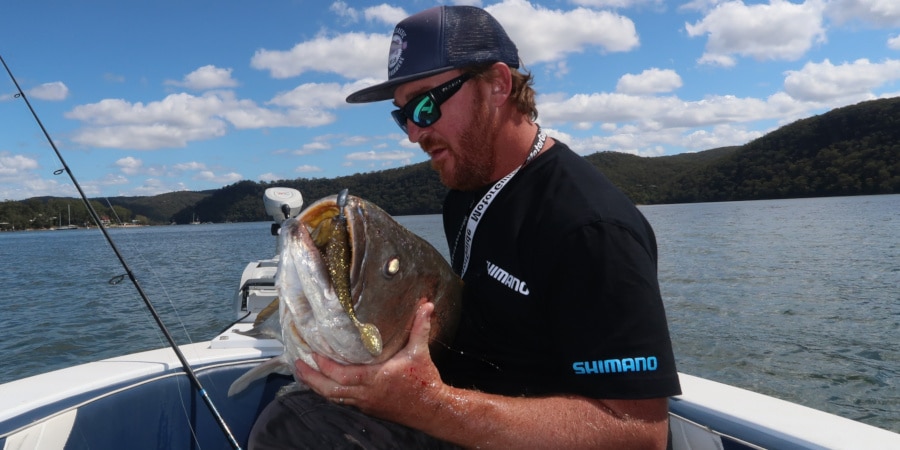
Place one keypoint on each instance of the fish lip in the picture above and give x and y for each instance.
(355, 215)
(356, 230)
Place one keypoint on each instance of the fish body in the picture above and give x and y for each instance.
(349, 280)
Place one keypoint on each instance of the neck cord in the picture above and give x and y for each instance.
(478, 211)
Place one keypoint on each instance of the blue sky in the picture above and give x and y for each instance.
(146, 97)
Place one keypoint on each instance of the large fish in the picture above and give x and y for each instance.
(349, 280)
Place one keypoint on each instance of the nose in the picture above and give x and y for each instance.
(413, 132)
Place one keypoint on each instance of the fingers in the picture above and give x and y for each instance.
(321, 383)
(328, 370)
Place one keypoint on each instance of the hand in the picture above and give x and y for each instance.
(402, 389)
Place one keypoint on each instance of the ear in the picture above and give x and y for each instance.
(501, 83)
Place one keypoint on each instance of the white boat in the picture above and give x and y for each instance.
(146, 400)
(69, 226)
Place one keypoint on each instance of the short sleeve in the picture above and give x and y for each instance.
(608, 318)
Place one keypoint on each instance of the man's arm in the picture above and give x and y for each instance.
(407, 389)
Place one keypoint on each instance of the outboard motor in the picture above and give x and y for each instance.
(282, 204)
(275, 199)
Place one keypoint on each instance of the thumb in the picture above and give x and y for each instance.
(420, 334)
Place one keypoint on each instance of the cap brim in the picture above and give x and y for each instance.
(385, 90)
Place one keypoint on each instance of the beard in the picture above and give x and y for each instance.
(472, 164)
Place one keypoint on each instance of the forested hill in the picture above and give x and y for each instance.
(852, 150)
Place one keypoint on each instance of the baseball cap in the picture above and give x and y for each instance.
(437, 40)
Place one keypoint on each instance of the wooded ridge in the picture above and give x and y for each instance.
(854, 150)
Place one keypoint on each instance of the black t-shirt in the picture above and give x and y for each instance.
(561, 291)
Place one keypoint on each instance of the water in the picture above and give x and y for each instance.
(797, 299)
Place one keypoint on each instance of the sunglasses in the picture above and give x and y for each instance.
(424, 110)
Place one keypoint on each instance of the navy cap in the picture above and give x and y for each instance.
(437, 40)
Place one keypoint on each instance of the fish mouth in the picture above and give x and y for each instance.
(336, 227)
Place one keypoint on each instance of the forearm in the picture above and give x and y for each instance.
(408, 389)
(478, 420)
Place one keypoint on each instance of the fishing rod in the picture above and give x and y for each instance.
(96, 218)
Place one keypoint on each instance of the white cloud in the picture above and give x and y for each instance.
(653, 112)
(136, 137)
(879, 13)
(206, 77)
(55, 91)
(636, 141)
(306, 168)
(699, 5)
(894, 43)
(269, 177)
(650, 81)
(314, 95)
(342, 9)
(245, 114)
(545, 35)
(112, 179)
(644, 125)
(640, 145)
(154, 186)
(312, 147)
(129, 165)
(352, 141)
(208, 175)
(351, 55)
(386, 14)
(35, 186)
(359, 56)
(13, 164)
(182, 110)
(16, 170)
(393, 155)
(181, 118)
(719, 136)
(824, 81)
(779, 30)
(189, 166)
(622, 4)
(114, 78)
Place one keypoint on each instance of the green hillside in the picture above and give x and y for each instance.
(854, 150)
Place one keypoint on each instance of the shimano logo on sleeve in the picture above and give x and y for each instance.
(507, 279)
(638, 364)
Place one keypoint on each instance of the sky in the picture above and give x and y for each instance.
(145, 97)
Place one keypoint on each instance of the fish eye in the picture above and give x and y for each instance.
(392, 266)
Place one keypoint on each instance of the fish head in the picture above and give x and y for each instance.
(378, 271)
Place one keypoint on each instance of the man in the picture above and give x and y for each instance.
(563, 341)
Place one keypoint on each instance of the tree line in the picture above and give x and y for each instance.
(43, 213)
(854, 150)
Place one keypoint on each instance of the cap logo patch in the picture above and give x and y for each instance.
(395, 57)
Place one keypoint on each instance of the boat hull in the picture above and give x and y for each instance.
(138, 401)
(145, 401)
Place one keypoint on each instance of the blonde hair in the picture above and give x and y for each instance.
(522, 93)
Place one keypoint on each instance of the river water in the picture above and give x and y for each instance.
(798, 299)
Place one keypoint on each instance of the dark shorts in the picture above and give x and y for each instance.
(305, 420)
